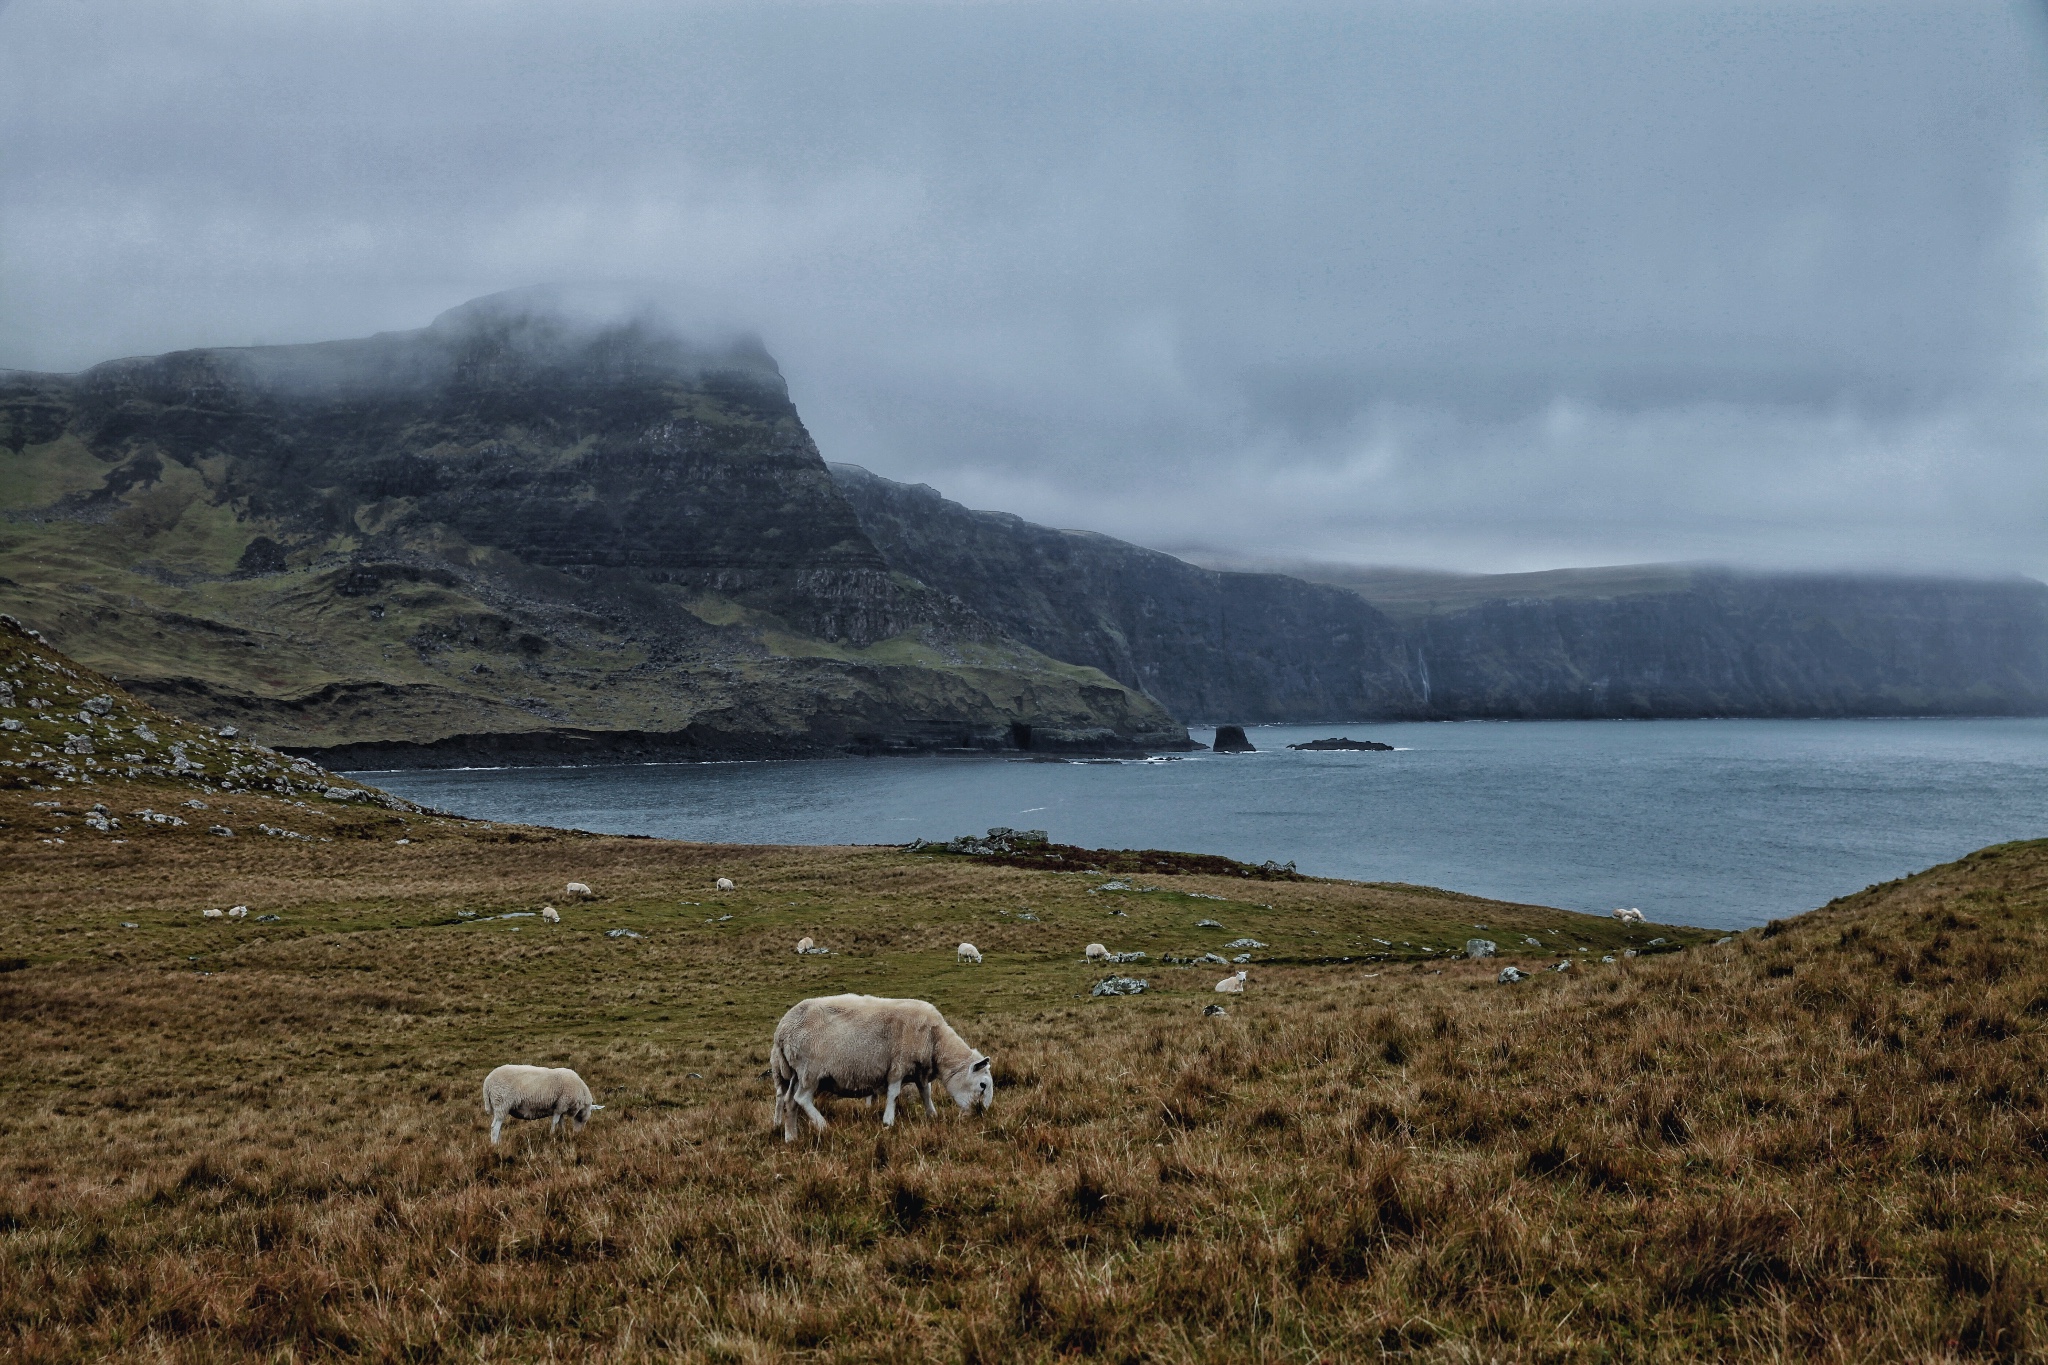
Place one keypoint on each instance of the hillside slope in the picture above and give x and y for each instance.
(245, 1139)
(1306, 642)
(513, 533)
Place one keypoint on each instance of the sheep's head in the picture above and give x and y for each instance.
(973, 1086)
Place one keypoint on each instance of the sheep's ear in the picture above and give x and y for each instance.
(981, 1065)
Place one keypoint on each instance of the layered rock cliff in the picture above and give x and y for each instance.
(1215, 644)
(515, 534)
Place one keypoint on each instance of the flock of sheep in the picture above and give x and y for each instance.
(851, 1046)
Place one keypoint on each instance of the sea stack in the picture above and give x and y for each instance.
(1230, 740)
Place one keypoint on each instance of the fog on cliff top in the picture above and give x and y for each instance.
(1484, 286)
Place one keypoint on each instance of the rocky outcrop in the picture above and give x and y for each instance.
(1230, 739)
(522, 533)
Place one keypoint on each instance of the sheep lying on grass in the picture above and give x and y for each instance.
(536, 1092)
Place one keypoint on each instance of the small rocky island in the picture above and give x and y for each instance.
(1322, 745)
(1230, 739)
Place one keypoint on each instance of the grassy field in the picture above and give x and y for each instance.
(262, 1138)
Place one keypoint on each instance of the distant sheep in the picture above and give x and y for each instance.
(576, 889)
(1095, 952)
(536, 1092)
(967, 952)
(1629, 916)
(239, 912)
(212, 913)
(1232, 985)
(550, 914)
(804, 945)
(725, 884)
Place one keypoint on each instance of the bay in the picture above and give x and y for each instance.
(1721, 823)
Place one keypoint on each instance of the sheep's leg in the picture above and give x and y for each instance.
(555, 1126)
(924, 1088)
(889, 1109)
(497, 1122)
(809, 1105)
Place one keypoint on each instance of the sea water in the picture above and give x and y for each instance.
(1706, 822)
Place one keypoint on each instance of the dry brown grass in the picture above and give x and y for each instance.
(1822, 1141)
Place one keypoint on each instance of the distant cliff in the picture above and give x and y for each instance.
(1219, 644)
(515, 534)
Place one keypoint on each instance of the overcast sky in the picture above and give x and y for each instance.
(1476, 286)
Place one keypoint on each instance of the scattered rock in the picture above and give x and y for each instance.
(1719, 941)
(1028, 917)
(1242, 957)
(1244, 943)
(1121, 985)
(222, 830)
(78, 744)
(1126, 957)
(1216, 958)
(270, 919)
(1110, 886)
(228, 732)
(1564, 966)
(999, 839)
(1207, 924)
(125, 924)
(1628, 952)
(1532, 942)
(1655, 942)
(1509, 975)
(1230, 740)
(1480, 947)
(1214, 1010)
(1609, 959)
(620, 933)
(97, 706)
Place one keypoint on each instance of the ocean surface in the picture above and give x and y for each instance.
(1707, 822)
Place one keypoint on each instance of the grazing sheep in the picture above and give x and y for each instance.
(550, 914)
(536, 1092)
(967, 952)
(1629, 916)
(577, 889)
(1232, 985)
(725, 884)
(1095, 952)
(804, 945)
(858, 1045)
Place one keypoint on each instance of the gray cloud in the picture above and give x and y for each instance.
(1473, 285)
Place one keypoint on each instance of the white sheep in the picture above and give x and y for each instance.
(1232, 985)
(577, 889)
(967, 952)
(214, 912)
(550, 914)
(804, 945)
(859, 1045)
(1095, 952)
(1629, 916)
(239, 912)
(536, 1092)
(725, 884)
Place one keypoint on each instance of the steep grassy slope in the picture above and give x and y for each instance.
(1825, 1140)
(508, 533)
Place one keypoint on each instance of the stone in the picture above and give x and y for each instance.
(1244, 943)
(222, 830)
(1532, 942)
(1215, 1011)
(1121, 985)
(1126, 957)
(1510, 975)
(1216, 958)
(620, 933)
(1230, 739)
(1480, 947)
(1346, 744)
(1207, 924)
(1564, 966)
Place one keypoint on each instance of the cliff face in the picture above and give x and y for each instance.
(1217, 645)
(511, 534)
(1206, 644)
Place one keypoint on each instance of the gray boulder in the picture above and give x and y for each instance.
(1121, 985)
(1480, 947)
(1510, 975)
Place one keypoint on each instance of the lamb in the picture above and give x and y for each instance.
(1629, 916)
(804, 945)
(550, 914)
(577, 889)
(1095, 952)
(967, 952)
(725, 884)
(857, 1045)
(1232, 985)
(536, 1092)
